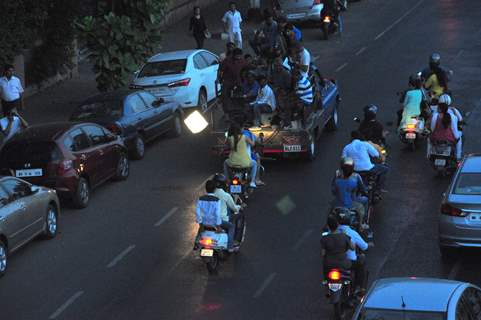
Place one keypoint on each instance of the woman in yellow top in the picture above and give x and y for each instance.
(239, 155)
(436, 82)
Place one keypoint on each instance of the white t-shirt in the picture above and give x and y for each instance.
(233, 21)
(10, 90)
(266, 96)
(305, 59)
(16, 126)
(361, 152)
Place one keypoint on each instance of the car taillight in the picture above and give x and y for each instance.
(180, 83)
(114, 128)
(334, 275)
(452, 211)
(64, 166)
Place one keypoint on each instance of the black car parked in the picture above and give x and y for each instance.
(137, 116)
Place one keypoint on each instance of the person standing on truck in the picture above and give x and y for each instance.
(230, 76)
(265, 101)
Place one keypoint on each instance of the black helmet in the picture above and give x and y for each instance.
(370, 111)
(220, 179)
(435, 59)
(343, 215)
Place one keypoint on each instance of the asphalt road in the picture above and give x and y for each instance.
(129, 254)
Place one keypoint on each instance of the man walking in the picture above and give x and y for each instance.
(11, 91)
(232, 25)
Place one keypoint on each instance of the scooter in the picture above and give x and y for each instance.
(412, 131)
(239, 186)
(329, 24)
(443, 157)
(340, 290)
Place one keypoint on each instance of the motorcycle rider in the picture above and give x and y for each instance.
(444, 127)
(435, 76)
(207, 212)
(334, 247)
(412, 101)
(361, 152)
(349, 190)
(370, 128)
(446, 98)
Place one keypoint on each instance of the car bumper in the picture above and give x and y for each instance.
(183, 97)
(454, 233)
(295, 16)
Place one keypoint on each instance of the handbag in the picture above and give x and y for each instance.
(207, 34)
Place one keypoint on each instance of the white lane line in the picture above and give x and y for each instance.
(459, 54)
(341, 67)
(304, 237)
(454, 271)
(120, 256)
(399, 20)
(66, 305)
(315, 58)
(166, 216)
(361, 51)
(264, 285)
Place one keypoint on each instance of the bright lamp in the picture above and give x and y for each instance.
(195, 122)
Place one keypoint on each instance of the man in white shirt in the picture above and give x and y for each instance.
(265, 101)
(232, 25)
(11, 90)
(304, 58)
(11, 125)
(361, 152)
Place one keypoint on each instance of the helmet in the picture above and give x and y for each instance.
(370, 111)
(435, 59)
(220, 179)
(347, 161)
(445, 98)
(347, 166)
(343, 215)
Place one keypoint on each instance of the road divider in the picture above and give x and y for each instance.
(64, 306)
(120, 256)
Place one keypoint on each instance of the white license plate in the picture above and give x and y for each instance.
(440, 162)
(292, 148)
(296, 15)
(25, 173)
(475, 217)
(334, 286)
(158, 90)
(235, 189)
(206, 252)
(410, 136)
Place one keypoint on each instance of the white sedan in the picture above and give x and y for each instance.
(187, 77)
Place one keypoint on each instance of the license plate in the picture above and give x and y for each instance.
(296, 15)
(440, 162)
(410, 136)
(292, 148)
(25, 173)
(335, 286)
(235, 189)
(206, 252)
(475, 217)
(158, 90)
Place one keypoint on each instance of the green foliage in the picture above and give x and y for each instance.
(120, 38)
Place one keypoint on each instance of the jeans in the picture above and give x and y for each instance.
(259, 109)
(380, 170)
(253, 172)
(230, 228)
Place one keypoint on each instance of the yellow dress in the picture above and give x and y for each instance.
(239, 157)
(433, 85)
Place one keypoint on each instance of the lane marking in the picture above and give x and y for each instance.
(264, 285)
(459, 54)
(361, 51)
(341, 67)
(315, 58)
(120, 256)
(454, 271)
(304, 237)
(398, 20)
(166, 216)
(66, 305)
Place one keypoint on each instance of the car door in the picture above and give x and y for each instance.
(162, 112)
(201, 72)
(11, 223)
(30, 215)
(87, 156)
(211, 73)
(104, 150)
(141, 115)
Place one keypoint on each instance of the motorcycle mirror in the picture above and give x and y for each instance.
(357, 119)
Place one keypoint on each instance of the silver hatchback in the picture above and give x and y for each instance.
(300, 10)
(460, 218)
(26, 211)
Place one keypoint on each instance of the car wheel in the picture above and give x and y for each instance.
(176, 130)
(202, 103)
(333, 123)
(123, 168)
(3, 258)
(138, 151)
(51, 222)
(82, 194)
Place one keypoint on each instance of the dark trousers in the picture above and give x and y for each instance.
(359, 269)
(199, 39)
(10, 105)
(380, 170)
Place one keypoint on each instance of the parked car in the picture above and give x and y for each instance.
(137, 116)
(26, 211)
(460, 218)
(187, 77)
(72, 158)
(299, 10)
(420, 298)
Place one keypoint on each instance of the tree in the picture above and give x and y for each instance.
(121, 37)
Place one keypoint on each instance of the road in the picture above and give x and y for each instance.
(129, 254)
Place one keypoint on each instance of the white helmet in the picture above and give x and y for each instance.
(445, 98)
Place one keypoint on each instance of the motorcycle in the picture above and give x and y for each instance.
(443, 157)
(340, 290)
(239, 186)
(213, 244)
(329, 24)
(412, 131)
(353, 219)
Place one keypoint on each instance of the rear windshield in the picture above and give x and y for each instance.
(383, 314)
(468, 183)
(161, 68)
(37, 151)
(98, 109)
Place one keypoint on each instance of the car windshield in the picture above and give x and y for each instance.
(98, 109)
(468, 183)
(161, 68)
(34, 151)
(385, 314)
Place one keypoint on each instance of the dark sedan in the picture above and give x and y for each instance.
(137, 116)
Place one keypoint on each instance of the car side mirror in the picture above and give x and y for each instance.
(157, 103)
(34, 189)
(136, 73)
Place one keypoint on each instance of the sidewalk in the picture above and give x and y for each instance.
(57, 102)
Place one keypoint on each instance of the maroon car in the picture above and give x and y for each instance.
(72, 158)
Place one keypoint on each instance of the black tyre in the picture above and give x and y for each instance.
(176, 130)
(51, 222)
(333, 123)
(138, 150)
(202, 103)
(325, 31)
(123, 168)
(3, 258)
(82, 194)
(447, 254)
(213, 264)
